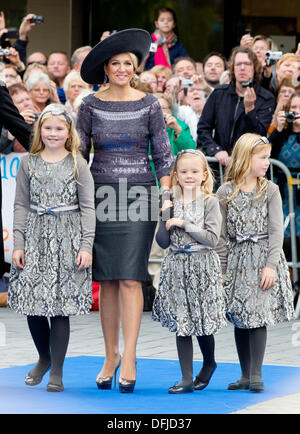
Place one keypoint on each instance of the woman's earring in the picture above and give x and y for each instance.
(105, 80)
(133, 80)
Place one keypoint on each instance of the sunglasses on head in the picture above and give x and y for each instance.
(56, 111)
(188, 151)
(261, 140)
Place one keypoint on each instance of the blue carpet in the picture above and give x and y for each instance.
(154, 376)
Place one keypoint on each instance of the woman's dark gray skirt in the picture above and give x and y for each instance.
(126, 218)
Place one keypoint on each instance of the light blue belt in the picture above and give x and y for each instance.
(255, 237)
(41, 209)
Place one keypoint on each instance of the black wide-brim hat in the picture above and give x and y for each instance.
(135, 41)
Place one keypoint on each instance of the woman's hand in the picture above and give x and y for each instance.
(267, 278)
(84, 260)
(173, 222)
(171, 122)
(246, 40)
(28, 116)
(53, 93)
(281, 120)
(18, 258)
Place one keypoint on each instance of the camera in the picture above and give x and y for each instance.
(36, 116)
(4, 52)
(247, 31)
(186, 83)
(272, 57)
(153, 47)
(248, 83)
(290, 116)
(12, 33)
(37, 19)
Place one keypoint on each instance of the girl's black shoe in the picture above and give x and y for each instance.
(201, 384)
(34, 380)
(238, 385)
(51, 387)
(177, 389)
(256, 387)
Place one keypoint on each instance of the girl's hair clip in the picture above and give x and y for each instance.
(56, 111)
(262, 139)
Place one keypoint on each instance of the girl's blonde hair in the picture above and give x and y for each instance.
(73, 141)
(208, 183)
(239, 166)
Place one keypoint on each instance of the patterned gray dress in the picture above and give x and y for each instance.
(248, 306)
(189, 299)
(50, 283)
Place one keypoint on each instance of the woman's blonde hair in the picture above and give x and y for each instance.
(73, 141)
(239, 166)
(208, 183)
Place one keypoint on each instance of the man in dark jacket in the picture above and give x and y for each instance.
(236, 108)
(15, 124)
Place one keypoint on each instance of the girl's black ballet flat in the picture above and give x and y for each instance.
(51, 387)
(239, 385)
(177, 389)
(257, 386)
(33, 380)
(200, 384)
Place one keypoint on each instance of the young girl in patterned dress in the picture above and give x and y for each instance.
(54, 224)
(257, 283)
(189, 300)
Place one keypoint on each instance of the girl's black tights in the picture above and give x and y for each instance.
(185, 354)
(251, 345)
(51, 341)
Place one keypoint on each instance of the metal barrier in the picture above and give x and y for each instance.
(290, 219)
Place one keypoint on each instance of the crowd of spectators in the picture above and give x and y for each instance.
(208, 103)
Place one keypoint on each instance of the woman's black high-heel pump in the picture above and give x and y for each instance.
(105, 383)
(126, 386)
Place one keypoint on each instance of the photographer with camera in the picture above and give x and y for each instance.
(285, 141)
(287, 66)
(185, 76)
(22, 100)
(236, 108)
(20, 36)
(285, 90)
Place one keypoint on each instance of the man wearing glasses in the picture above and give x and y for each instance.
(231, 110)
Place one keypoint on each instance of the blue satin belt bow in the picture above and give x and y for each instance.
(42, 209)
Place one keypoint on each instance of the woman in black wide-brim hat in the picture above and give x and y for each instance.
(121, 121)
